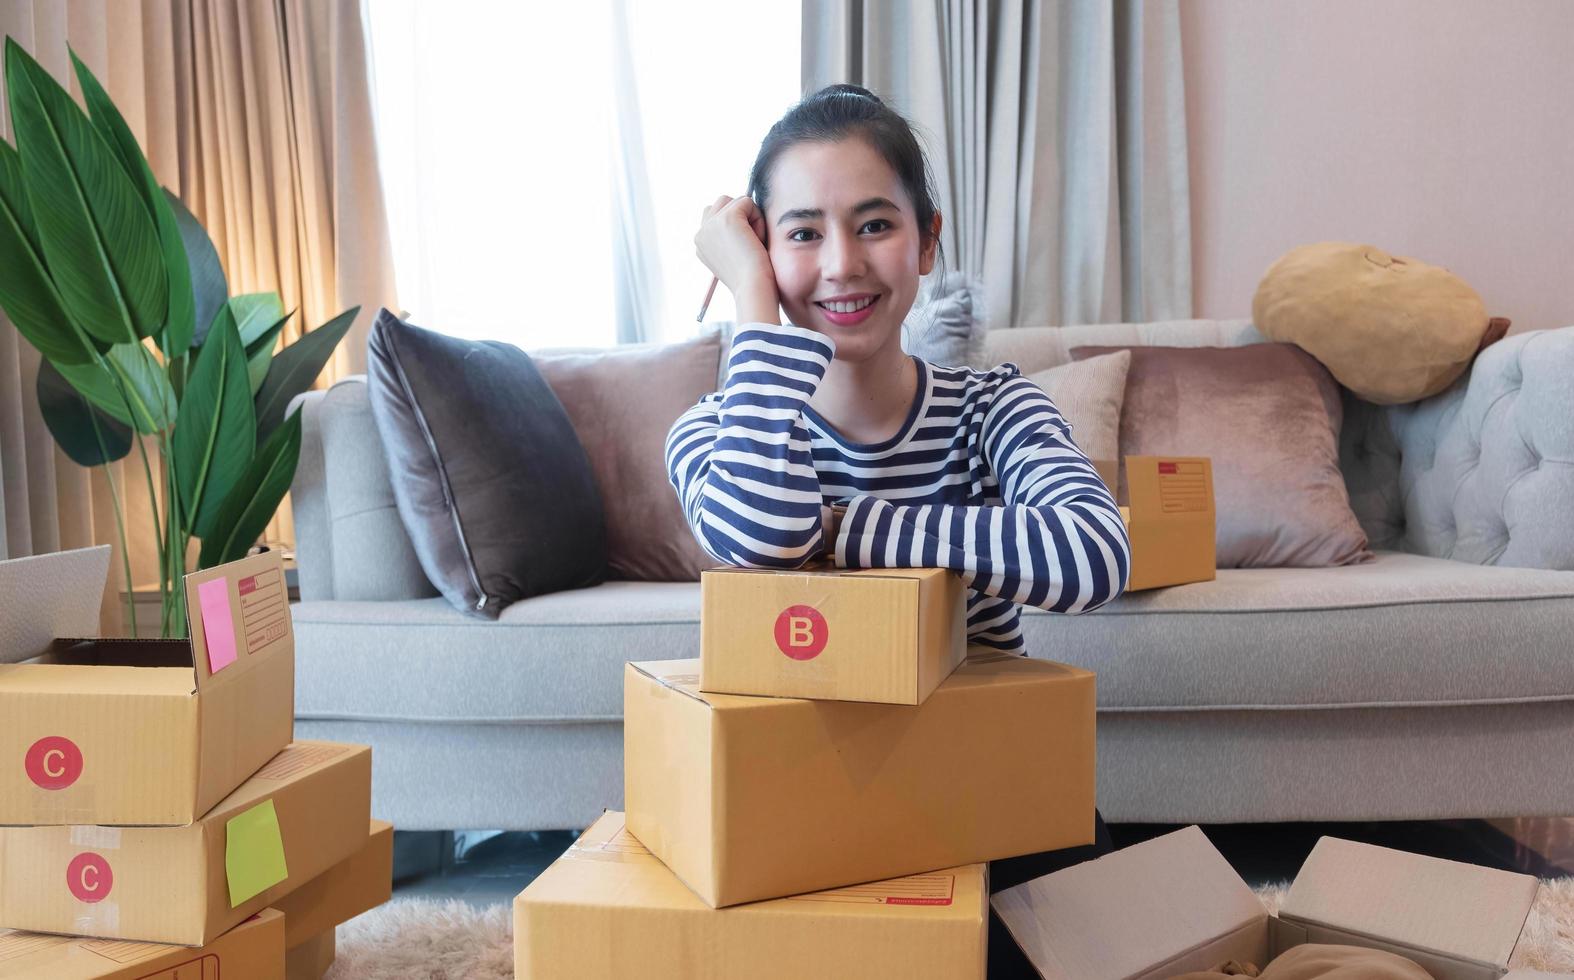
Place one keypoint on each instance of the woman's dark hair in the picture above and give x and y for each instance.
(838, 112)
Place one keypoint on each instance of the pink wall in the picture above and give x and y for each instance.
(1438, 130)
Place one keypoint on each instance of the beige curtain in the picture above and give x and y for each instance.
(1057, 136)
(258, 114)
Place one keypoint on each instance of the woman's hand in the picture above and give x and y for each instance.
(731, 243)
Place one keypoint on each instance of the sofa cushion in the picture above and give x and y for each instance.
(549, 659)
(1399, 630)
(949, 329)
(1269, 416)
(492, 483)
(1089, 395)
(622, 401)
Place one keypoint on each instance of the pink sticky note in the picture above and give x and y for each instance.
(214, 596)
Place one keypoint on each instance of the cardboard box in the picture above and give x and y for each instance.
(253, 950)
(1173, 904)
(357, 884)
(1170, 519)
(887, 635)
(313, 958)
(753, 798)
(608, 909)
(301, 814)
(141, 732)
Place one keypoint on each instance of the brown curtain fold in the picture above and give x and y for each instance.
(258, 114)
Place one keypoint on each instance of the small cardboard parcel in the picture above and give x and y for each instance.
(749, 798)
(1170, 519)
(1173, 905)
(294, 939)
(302, 813)
(609, 909)
(253, 950)
(138, 732)
(883, 635)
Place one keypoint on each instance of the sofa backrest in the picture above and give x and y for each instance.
(1483, 472)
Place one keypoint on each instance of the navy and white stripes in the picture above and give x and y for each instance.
(983, 479)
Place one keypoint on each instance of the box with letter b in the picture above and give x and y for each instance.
(887, 635)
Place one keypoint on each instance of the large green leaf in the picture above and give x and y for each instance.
(255, 496)
(86, 434)
(209, 290)
(180, 320)
(99, 242)
(254, 313)
(295, 368)
(215, 432)
(26, 291)
(130, 373)
(13, 196)
(259, 353)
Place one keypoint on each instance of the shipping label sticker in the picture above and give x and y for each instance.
(264, 608)
(801, 632)
(253, 852)
(53, 762)
(298, 757)
(1183, 487)
(121, 951)
(18, 944)
(218, 628)
(925, 889)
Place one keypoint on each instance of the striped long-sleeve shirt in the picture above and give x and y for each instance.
(983, 478)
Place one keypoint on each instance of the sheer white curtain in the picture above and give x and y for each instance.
(545, 166)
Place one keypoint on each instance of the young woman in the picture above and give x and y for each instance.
(828, 439)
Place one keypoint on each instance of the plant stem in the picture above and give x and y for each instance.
(120, 522)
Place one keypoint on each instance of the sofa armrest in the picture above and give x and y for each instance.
(309, 504)
(1486, 469)
(350, 542)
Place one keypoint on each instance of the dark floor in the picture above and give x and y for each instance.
(495, 868)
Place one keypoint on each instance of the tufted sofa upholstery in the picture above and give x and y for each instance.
(1434, 682)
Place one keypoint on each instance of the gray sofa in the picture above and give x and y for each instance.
(1435, 682)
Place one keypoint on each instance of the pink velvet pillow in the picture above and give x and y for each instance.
(1269, 416)
(621, 403)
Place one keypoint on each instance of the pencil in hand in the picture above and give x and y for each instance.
(706, 305)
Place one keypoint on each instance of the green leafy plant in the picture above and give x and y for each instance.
(120, 289)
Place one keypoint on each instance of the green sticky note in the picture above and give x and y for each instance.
(253, 852)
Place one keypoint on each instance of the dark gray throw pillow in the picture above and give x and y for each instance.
(492, 483)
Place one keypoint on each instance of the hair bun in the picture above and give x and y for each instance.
(847, 88)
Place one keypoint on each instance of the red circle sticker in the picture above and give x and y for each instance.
(801, 632)
(89, 878)
(53, 762)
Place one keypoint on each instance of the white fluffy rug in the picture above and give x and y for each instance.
(424, 939)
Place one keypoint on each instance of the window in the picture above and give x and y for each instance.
(495, 130)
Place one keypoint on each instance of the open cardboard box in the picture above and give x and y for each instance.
(1173, 904)
(138, 732)
(253, 950)
(1170, 519)
(298, 816)
(608, 909)
(888, 635)
(749, 798)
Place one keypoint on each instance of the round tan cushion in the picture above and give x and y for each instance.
(1389, 328)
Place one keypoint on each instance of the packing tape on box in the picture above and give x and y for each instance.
(98, 838)
(99, 916)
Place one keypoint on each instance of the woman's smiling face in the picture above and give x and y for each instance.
(842, 228)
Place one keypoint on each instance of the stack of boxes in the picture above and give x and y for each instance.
(820, 792)
(150, 793)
